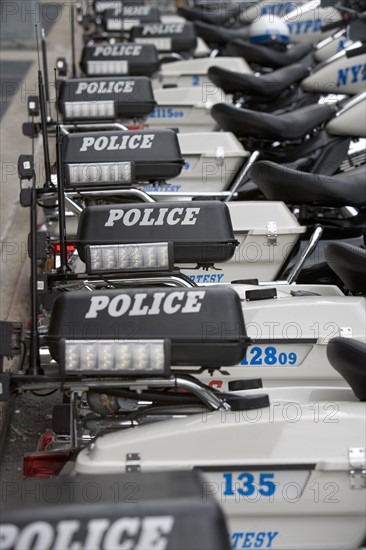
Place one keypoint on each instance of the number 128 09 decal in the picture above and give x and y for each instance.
(268, 356)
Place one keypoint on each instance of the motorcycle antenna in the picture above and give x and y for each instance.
(34, 362)
(72, 23)
(42, 103)
(45, 70)
(60, 192)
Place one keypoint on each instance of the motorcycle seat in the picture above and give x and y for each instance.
(268, 57)
(219, 17)
(219, 35)
(267, 86)
(245, 123)
(348, 357)
(278, 182)
(349, 263)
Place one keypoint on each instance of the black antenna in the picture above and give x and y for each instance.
(42, 103)
(60, 195)
(72, 20)
(45, 70)
(34, 365)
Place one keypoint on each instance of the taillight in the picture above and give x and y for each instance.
(44, 464)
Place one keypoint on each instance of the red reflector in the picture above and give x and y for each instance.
(44, 440)
(137, 126)
(69, 247)
(43, 464)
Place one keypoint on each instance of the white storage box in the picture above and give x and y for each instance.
(267, 232)
(290, 334)
(187, 109)
(212, 160)
(193, 72)
(288, 476)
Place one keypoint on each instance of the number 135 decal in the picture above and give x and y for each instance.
(246, 484)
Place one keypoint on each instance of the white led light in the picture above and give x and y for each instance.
(161, 44)
(107, 356)
(114, 24)
(107, 67)
(105, 5)
(89, 109)
(97, 173)
(128, 257)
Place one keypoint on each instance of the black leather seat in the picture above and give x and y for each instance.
(220, 36)
(266, 56)
(278, 182)
(245, 123)
(349, 263)
(267, 86)
(220, 16)
(348, 357)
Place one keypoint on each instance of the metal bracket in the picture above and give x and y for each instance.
(357, 462)
(272, 234)
(133, 462)
(345, 332)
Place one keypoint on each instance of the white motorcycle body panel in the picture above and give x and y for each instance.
(291, 334)
(193, 72)
(281, 473)
(306, 20)
(338, 75)
(202, 50)
(330, 46)
(351, 120)
(187, 109)
(255, 256)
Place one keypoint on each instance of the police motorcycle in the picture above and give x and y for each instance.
(289, 86)
(311, 139)
(270, 309)
(91, 171)
(202, 234)
(292, 86)
(306, 469)
(305, 21)
(188, 72)
(182, 107)
(115, 242)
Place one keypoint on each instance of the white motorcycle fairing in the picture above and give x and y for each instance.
(330, 46)
(305, 21)
(351, 120)
(338, 75)
(292, 460)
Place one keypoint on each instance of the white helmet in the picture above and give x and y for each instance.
(269, 29)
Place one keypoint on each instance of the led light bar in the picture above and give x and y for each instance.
(103, 5)
(129, 257)
(161, 44)
(119, 67)
(99, 173)
(119, 358)
(90, 109)
(114, 24)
